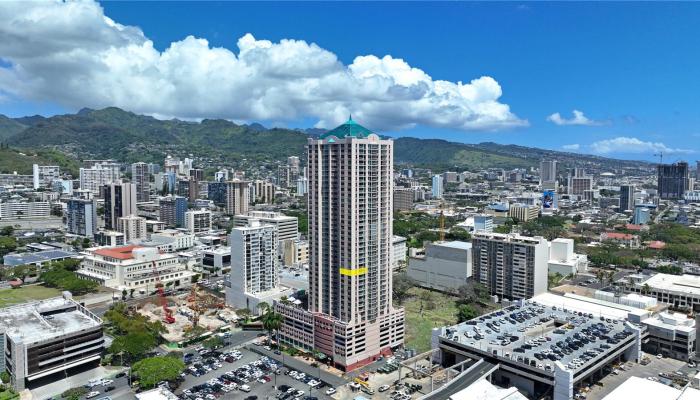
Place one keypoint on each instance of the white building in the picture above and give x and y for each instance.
(133, 267)
(445, 266)
(548, 174)
(509, 265)
(98, 175)
(296, 252)
(398, 244)
(172, 240)
(133, 227)
(682, 291)
(43, 340)
(141, 178)
(483, 223)
(44, 175)
(563, 260)
(23, 209)
(237, 197)
(639, 388)
(197, 221)
(437, 186)
(254, 269)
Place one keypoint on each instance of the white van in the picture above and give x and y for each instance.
(245, 388)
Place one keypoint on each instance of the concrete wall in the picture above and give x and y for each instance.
(443, 268)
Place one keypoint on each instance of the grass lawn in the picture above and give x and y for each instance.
(442, 312)
(9, 297)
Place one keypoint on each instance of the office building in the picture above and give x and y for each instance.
(237, 197)
(254, 265)
(120, 201)
(437, 186)
(133, 227)
(172, 210)
(627, 198)
(642, 215)
(22, 209)
(133, 267)
(445, 266)
(563, 260)
(450, 177)
(99, 175)
(523, 212)
(509, 265)
(403, 199)
(579, 182)
(172, 240)
(109, 238)
(141, 177)
(44, 175)
(398, 243)
(673, 180)
(216, 192)
(217, 258)
(681, 291)
(483, 223)
(48, 340)
(197, 221)
(351, 318)
(548, 174)
(81, 217)
(671, 335)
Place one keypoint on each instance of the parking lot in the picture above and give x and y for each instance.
(245, 374)
(614, 379)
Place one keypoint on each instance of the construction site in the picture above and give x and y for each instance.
(186, 315)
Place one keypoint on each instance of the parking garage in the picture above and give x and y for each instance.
(540, 348)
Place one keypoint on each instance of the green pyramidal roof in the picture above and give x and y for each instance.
(349, 128)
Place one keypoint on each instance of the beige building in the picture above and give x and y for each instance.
(350, 172)
(133, 227)
(197, 221)
(237, 197)
(523, 212)
(296, 252)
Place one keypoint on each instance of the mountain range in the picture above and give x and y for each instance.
(115, 133)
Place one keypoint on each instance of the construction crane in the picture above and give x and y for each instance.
(661, 157)
(169, 319)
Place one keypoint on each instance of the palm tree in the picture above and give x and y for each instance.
(263, 308)
(646, 289)
(600, 274)
(611, 277)
(271, 322)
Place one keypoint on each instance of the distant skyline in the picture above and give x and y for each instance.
(612, 79)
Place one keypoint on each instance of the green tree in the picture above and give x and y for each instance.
(7, 230)
(213, 342)
(5, 377)
(135, 345)
(8, 244)
(466, 312)
(272, 321)
(74, 393)
(401, 286)
(150, 371)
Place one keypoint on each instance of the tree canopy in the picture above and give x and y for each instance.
(150, 371)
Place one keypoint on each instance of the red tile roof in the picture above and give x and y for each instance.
(633, 227)
(656, 244)
(617, 235)
(121, 253)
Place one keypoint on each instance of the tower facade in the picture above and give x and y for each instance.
(141, 178)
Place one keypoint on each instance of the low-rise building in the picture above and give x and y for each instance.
(37, 258)
(197, 221)
(681, 291)
(523, 212)
(398, 244)
(109, 238)
(217, 259)
(172, 240)
(24, 209)
(671, 335)
(445, 266)
(563, 260)
(296, 252)
(47, 340)
(133, 267)
(622, 239)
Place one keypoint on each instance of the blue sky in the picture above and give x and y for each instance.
(630, 68)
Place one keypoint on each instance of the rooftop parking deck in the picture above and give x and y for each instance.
(538, 335)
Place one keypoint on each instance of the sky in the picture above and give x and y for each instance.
(613, 79)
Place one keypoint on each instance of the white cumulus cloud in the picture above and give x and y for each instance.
(579, 118)
(571, 147)
(72, 54)
(632, 145)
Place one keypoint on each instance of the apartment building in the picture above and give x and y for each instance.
(350, 171)
(403, 199)
(254, 265)
(44, 175)
(24, 209)
(509, 265)
(133, 227)
(237, 197)
(523, 212)
(197, 221)
(140, 176)
(81, 217)
(98, 175)
(172, 210)
(673, 180)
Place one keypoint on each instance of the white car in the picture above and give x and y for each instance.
(92, 394)
(245, 388)
(330, 391)
(107, 382)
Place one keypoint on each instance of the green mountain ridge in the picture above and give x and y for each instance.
(115, 133)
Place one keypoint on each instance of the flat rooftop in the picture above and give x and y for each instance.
(37, 257)
(455, 245)
(46, 319)
(535, 330)
(687, 284)
(639, 388)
